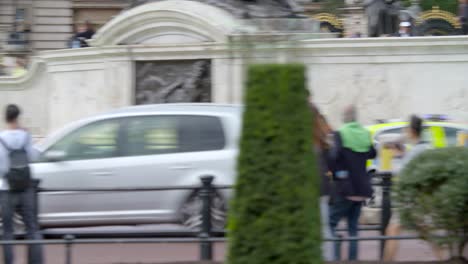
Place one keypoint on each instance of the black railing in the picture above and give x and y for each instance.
(206, 236)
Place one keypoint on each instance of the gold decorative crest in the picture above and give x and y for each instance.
(436, 13)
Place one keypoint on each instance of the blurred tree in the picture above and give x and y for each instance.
(433, 196)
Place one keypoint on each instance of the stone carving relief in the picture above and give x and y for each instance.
(173, 81)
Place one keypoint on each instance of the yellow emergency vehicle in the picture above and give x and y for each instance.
(438, 130)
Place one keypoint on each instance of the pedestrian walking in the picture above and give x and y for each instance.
(321, 130)
(352, 185)
(16, 186)
(418, 146)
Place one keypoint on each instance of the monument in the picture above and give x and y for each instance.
(178, 50)
(354, 18)
(190, 80)
(250, 8)
(383, 16)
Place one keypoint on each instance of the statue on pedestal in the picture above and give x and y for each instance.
(383, 16)
(415, 9)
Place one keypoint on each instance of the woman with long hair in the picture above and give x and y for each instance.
(321, 131)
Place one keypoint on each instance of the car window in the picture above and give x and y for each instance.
(150, 135)
(202, 133)
(426, 135)
(397, 130)
(451, 135)
(94, 141)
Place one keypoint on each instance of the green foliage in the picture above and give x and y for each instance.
(406, 3)
(332, 6)
(446, 5)
(274, 217)
(433, 194)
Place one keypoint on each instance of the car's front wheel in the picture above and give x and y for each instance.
(191, 212)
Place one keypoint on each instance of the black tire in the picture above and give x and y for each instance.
(190, 212)
(18, 225)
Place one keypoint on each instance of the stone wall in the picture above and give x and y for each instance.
(52, 24)
(98, 12)
(31, 92)
(390, 78)
(50, 21)
(384, 77)
(7, 16)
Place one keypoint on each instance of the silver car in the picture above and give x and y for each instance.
(141, 146)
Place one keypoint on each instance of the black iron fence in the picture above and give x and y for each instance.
(206, 236)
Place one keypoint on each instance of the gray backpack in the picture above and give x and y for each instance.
(19, 176)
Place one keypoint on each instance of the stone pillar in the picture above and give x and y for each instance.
(354, 18)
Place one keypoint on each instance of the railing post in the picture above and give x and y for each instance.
(206, 191)
(338, 247)
(68, 248)
(386, 209)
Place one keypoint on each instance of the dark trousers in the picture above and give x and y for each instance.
(351, 210)
(24, 203)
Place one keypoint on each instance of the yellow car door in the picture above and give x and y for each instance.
(436, 136)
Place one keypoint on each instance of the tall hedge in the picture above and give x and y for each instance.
(433, 195)
(274, 217)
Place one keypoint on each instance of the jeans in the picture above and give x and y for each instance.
(23, 203)
(327, 250)
(351, 210)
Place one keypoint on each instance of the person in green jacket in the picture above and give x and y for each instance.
(351, 150)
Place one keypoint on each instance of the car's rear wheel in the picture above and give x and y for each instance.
(18, 225)
(191, 212)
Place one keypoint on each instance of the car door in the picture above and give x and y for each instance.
(164, 150)
(450, 134)
(91, 158)
(151, 147)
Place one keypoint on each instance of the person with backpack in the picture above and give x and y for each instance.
(16, 185)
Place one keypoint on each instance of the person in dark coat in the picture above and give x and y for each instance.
(352, 148)
(84, 32)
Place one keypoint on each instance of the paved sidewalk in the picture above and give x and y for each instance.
(410, 250)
